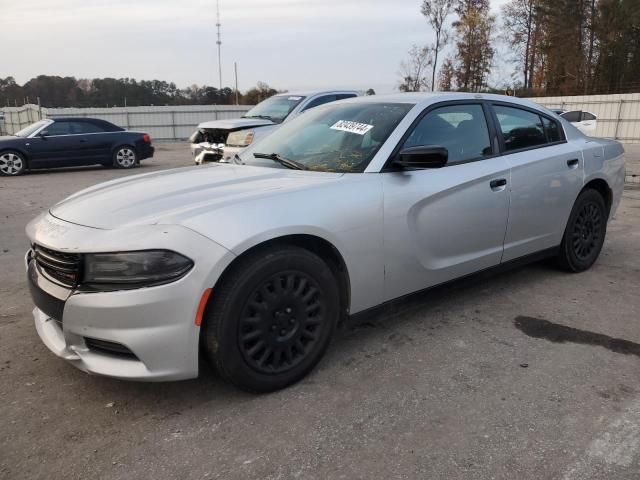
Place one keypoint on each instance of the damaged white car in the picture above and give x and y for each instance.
(221, 140)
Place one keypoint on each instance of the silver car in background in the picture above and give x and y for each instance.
(345, 208)
(221, 140)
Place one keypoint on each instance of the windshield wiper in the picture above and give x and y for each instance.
(264, 117)
(282, 161)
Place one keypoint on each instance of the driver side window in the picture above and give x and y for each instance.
(461, 129)
(58, 128)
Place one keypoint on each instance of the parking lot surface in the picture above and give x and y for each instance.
(528, 374)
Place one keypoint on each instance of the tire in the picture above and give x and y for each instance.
(271, 320)
(12, 163)
(125, 157)
(585, 232)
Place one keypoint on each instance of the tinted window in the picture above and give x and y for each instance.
(342, 96)
(520, 128)
(59, 128)
(572, 116)
(87, 127)
(553, 130)
(461, 129)
(321, 101)
(586, 116)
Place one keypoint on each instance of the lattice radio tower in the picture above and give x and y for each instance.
(219, 42)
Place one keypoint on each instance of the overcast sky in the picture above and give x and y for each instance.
(290, 44)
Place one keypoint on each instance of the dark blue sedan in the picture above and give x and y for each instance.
(70, 142)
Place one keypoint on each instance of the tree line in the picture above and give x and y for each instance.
(557, 47)
(54, 91)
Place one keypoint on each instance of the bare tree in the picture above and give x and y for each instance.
(520, 22)
(436, 12)
(412, 70)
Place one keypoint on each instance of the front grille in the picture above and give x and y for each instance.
(111, 348)
(63, 268)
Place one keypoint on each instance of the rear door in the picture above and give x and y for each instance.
(95, 143)
(440, 224)
(546, 177)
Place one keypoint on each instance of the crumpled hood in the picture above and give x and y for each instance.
(174, 196)
(236, 123)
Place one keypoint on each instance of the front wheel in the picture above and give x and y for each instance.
(12, 164)
(125, 157)
(585, 232)
(272, 318)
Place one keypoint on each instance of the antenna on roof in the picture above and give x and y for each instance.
(219, 42)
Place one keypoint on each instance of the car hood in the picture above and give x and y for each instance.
(236, 123)
(175, 196)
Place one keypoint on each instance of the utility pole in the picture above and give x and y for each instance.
(235, 68)
(219, 42)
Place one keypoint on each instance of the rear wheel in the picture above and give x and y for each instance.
(272, 318)
(585, 232)
(12, 164)
(125, 157)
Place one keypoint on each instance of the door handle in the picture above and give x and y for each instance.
(498, 184)
(573, 163)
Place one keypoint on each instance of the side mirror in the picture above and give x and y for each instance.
(428, 156)
(43, 134)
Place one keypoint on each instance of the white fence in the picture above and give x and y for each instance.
(162, 123)
(618, 116)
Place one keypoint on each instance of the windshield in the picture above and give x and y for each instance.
(25, 132)
(276, 108)
(340, 137)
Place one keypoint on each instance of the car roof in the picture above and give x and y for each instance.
(424, 99)
(312, 93)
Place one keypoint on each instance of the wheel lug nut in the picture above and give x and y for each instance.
(292, 321)
(273, 327)
(288, 310)
(283, 332)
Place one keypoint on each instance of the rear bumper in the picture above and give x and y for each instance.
(145, 151)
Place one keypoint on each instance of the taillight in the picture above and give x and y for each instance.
(146, 138)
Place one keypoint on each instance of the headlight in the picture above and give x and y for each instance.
(133, 269)
(241, 138)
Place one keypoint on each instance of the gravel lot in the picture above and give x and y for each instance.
(458, 383)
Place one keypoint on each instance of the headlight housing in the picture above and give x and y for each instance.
(133, 269)
(241, 138)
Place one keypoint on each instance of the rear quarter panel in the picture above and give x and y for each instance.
(604, 159)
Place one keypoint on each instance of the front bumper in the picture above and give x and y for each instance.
(156, 325)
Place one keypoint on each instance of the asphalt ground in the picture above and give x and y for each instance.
(528, 374)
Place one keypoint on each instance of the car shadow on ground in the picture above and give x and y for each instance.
(413, 310)
(87, 168)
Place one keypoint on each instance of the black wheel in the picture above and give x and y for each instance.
(125, 157)
(585, 232)
(272, 318)
(12, 163)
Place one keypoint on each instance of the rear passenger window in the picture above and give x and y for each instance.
(586, 116)
(320, 101)
(552, 129)
(461, 129)
(572, 116)
(520, 128)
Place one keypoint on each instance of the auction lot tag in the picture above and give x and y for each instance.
(351, 127)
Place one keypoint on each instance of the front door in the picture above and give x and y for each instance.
(441, 224)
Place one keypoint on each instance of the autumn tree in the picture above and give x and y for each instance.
(475, 51)
(412, 71)
(436, 13)
(522, 32)
(447, 74)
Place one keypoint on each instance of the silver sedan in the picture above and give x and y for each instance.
(351, 205)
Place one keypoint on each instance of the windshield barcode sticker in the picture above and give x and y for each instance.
(351, 127)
